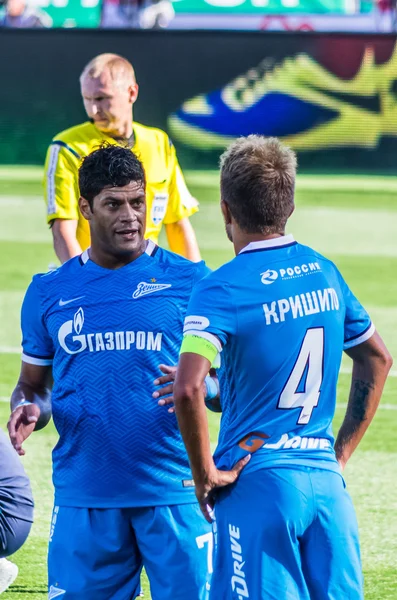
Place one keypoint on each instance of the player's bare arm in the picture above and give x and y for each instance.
(182, 239)
(166, 391)
(193, 424)
(30, 403)
(66, 245)
(371, 365)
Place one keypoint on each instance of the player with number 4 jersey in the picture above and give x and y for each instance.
(280, 315)
(288, 333)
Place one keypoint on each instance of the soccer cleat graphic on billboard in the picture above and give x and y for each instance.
(299, 101)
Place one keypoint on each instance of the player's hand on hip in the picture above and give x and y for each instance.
(206, 491)
(165, 393)
(21, 424)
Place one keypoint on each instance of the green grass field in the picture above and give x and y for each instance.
(352, 220)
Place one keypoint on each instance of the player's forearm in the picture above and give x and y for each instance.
(192, 250)
(66, 245)
(182, 240)
(368, 379)
(193, 425)
(66, 249)
(40, 396)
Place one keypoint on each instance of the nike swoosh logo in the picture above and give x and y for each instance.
(369, 103)
(64, 302)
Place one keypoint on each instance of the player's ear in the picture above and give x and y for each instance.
(227, 215)
(85, 208)
(133, 92)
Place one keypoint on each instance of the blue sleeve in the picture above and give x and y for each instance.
(358, 325)
(37, 346)
(210, 313)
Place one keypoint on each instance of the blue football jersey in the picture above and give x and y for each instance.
(106, 332)
(281, 316)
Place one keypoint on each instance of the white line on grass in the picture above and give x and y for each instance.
(18, 173)
(10, 350)
(21, 201)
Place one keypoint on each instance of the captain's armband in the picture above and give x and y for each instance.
(199, 345)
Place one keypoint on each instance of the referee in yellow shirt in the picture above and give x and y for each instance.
(109, 91)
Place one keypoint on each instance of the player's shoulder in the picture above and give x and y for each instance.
(83, 130)
(46, 281)
(146, 132)
(223, 277)
(152, 136)
(308, 260)
(312, 254)
(229, 270)
(75, 138)
(180, 266)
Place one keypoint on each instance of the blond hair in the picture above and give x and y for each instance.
(258, 183)
(120, 68)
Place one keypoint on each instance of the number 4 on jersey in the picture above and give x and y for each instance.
(307, 374)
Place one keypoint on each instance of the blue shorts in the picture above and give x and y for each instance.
(286, 533)
(99, 553)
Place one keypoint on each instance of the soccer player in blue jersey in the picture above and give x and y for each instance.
(104, 322)
(280, 315)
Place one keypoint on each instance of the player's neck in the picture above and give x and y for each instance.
(125, 132)
(112, 261)
(242, 239)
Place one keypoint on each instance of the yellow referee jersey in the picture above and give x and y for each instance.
(168, 199)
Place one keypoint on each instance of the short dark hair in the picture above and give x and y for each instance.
(109, 166)
(258, 183)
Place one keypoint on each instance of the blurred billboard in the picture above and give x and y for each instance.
(332, 97)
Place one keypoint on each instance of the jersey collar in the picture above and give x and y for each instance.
(151, 249)
(280, 242)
